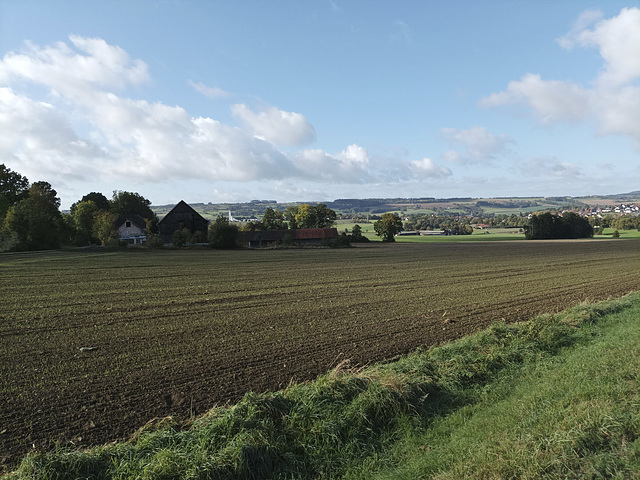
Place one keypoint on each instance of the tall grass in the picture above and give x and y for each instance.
(492, 405)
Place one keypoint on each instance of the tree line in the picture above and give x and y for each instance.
(549, 226)
(30, 217)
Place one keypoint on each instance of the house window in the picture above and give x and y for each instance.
(128, 225)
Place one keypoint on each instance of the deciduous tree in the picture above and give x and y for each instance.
(13, 188)
(35, 222)
(388, 226)
(273, 220)
(223, 234)
(103, 228)
(83, 219)
(98, 198)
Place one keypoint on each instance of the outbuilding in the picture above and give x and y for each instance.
(179, 217)
(131, 228)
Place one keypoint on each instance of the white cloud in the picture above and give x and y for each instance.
(83, 128)
(584, 21)
(614, 97)
(348, 166)
(551, 101)
(427, 168)
(480, 145)
(277, 126)
(74, 74)
(618, 40)
(42, 141)
(210, 92)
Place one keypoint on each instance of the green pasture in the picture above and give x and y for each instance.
(608, 233)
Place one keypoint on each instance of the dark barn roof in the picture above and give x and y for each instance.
(300, 236)
(181, 216)
(134, 218)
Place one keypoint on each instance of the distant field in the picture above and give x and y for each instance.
(178, 331)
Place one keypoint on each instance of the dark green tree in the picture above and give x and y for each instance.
(223, 234)
(273, 220)
(549, 226)
(98, 198)
(131, 202)
(325, 217)
(83, 218)
(356, 234)
(388, 226)
(290, 215)
(35, 223)
(13, 188)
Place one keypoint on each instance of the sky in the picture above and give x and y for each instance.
(314, 100)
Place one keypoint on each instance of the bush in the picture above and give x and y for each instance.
(222, 234)
(181, 238)
(341, 241)
(154, 241)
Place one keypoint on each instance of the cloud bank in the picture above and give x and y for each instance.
(85, 126)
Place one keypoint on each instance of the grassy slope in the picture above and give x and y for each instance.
(556, 397)
(572, 415)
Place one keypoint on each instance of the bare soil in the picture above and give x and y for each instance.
(176, 333)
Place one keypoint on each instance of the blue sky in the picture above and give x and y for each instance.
(212, 101)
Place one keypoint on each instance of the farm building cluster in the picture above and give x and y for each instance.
(132, 230)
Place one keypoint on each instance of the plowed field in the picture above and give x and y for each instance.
(176, 332)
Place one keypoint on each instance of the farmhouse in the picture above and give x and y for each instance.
(300, 236)
(179, 217)
(131, 228)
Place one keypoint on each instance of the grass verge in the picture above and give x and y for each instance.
(555, 397)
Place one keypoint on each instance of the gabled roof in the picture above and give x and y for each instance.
(134, 218)
(181, 207)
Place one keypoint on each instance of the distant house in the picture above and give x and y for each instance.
(179, 217)
(300, 236)
(131, 228)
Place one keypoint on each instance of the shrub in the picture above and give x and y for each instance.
(181, 238)
(154, 241)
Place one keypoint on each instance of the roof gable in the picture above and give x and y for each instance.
(181, 209)
(134, 218)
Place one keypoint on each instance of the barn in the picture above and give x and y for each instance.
(179, 217)
(301, 236)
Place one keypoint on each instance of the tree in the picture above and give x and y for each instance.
(222, 234)
(35, 223)
(319, 216)
(388, 226)
(99, 199)
(549, 226)
(13, 188)
(325, 217)
(356, 234)
(181, 237)
(273, 220)
(83, 218)
(290, 215)
(131, 202)
(103, 228)
(306, 216)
